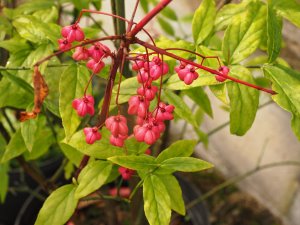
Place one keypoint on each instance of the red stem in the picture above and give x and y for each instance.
(212, 71)
(115, 37)
(195, 53)
(101, 13)
(160, 6)
(109, 87)
(132, 16)
(112, 15)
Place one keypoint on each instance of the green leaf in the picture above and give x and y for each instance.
(141, 162)
(290, 9)
(181, 148)
(185, 164)
(21, 83)
(97, 4)
(296, 125)
(69, 170)
(52, 78)
(71, 153)
(156, 201)
(199, 96)
(47, 15)
(28, 130)
(92, 177)
(175, 193)
(169, 13)
(101, 149)
(12, 95)
(81, 4)
(184, 112)
(2, 146)
(43, 140)
(202, 24)
(181, 108)
(145, 5)
(15, 44)
(4, 181)
(243, 35)
(166, 26)
(58, 207)
(285, 81)
(33, 6)
(243, 101)
(274, 26)
(35, 30)
(135, 147)
(220, 92)
(15, 147)
(227, 14)
(72, 84)
(5, 27)
(207, 52)
(128, 86)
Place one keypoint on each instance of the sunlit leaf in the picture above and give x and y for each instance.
(58, 207)
(156, 201)
(202, 24)
(243, 101)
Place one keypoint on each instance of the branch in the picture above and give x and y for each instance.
(159, 7)
(116, 37)
(212, 71)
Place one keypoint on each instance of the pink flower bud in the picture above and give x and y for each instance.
(95, 66)
(159, 125)
(164, 112)
(126, 173)
(96, 52)
(139, 132)
(91, 135)
(140, 120)
(72, 33)
(139, 63)
(80, 53)
(146, 133)
(117, 125)
(84, 105)
(187, 74)
(149, 92)
(157, 68)
(118, 140)
(138, 105)
(64, 44)
(190, 77)
(180, 67)
(143, 76)
(224, 70)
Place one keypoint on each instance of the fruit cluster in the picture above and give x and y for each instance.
(150, 119)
